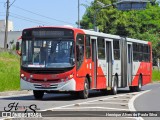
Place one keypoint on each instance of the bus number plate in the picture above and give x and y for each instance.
(46, 85)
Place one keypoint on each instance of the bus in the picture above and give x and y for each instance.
(72, 60)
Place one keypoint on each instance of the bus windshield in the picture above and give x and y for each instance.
(48, 53)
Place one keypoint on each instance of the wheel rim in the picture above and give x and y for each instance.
(115, 87)
(86, 89)
(140, 84)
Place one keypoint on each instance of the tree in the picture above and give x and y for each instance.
(138, 24)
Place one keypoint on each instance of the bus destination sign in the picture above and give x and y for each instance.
(47, 33)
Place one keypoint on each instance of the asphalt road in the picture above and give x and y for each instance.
(149, 101)
(146, 100)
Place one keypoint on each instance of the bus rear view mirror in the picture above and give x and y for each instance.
(17, 45)
(18, 48)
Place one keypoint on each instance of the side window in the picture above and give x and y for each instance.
(116, 50)
(140, 52)
(135, 52)
(146, 53)
(79, 49)
(149, 53)
(101, 48)
(88, 48)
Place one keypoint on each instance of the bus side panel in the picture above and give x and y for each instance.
(117, 71)
(145, 71)
(81, 75)
(136, 67)
(101, 78)
(80, 83)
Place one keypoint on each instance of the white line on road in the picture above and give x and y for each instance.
(119, 99)
(85, 102)
(131, 103)
(107, 103)
(93, 108)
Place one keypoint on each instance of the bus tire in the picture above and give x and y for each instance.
(115, 86)
(131, 88)
(85, 93)
(38, 95)
(137, 88)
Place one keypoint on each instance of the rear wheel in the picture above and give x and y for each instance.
(38, 94)
(115, 86)
(85, 93)
(137, 88)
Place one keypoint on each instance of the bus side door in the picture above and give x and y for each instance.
(93, 40)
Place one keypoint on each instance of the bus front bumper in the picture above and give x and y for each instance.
(69, 85)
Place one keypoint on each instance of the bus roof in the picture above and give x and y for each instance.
(93, 33)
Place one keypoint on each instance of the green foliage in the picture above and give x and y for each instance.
(156, 75)
(9, 72)
(138, 24)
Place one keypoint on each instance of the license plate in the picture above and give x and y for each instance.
(46, 85)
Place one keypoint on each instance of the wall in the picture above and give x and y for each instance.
(12, 37)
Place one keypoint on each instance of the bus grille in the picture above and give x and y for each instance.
(39, 86)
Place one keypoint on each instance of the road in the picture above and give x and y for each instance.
(149, 101)
(146, 100)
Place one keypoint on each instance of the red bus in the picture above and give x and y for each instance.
(64, 59)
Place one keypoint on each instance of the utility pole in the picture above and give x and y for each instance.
(78, 14)
(6, 29)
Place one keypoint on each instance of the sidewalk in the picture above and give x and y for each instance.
(11, 93)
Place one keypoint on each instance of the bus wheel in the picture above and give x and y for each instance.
(38, 94)
(85, 93)
(137, 88)
(115, 86)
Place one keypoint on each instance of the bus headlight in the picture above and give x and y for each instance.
(31, 76)
(69, 77)
(22, 75)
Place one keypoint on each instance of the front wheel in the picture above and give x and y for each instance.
(38, 94)
(85, 93)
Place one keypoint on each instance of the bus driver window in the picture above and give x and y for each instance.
(79, 49)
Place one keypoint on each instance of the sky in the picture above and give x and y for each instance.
(31, 13)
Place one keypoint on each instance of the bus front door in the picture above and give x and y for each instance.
(94, 61)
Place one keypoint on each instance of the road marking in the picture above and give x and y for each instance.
(119, 99)
(107, 103)
(92, 108)
(83, 102)
(86, 102)
(131, 103)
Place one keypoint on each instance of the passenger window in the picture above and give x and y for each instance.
(116, 50)
(101, 48)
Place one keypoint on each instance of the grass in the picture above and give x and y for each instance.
(9, 72)
(156, 75)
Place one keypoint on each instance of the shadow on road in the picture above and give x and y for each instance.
(62, 97)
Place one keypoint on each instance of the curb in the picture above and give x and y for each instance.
(11, 93)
